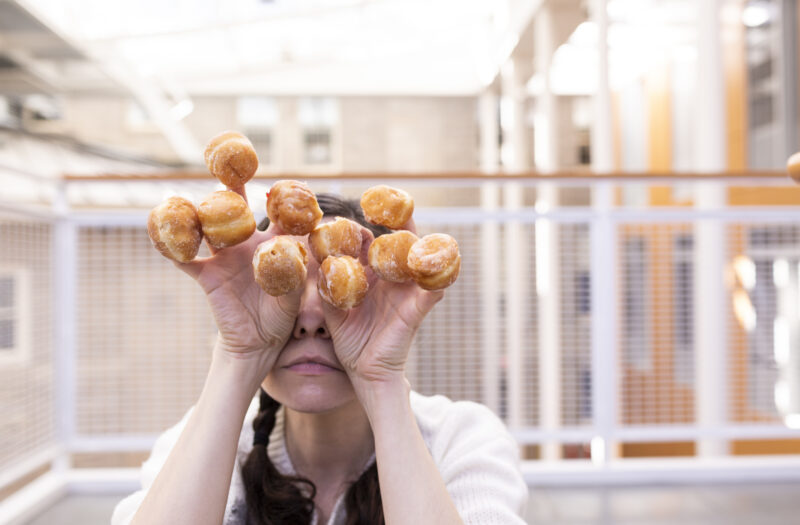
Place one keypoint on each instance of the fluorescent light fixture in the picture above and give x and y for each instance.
(585, 35)
(756, 15)
(542, 227)
(780, 273)
(598, 450)
(792, 421)
(182, 109)
(782, 395)
(781, 341)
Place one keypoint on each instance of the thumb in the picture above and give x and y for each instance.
(426, 300)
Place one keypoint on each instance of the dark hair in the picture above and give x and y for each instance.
(275, 499)
(336, 206)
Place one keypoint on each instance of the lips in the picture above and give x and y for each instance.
(313, 359)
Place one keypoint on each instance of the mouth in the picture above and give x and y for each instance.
(311, 368)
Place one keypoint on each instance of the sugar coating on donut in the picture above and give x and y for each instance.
(231, 158)
(226, 219)
(387, 206)
(174, 229)
(280, 265)
(434, 261)
(388, 256)
(342, 282)
(340, 237)
(293, 207)
(793, 167)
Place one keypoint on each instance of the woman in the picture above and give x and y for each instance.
(335, 436)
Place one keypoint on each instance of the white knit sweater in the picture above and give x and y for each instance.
(476, 456)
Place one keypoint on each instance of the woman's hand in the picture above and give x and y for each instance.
(372, 340)
(251, 323)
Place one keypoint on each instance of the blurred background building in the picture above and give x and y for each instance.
(613, 170)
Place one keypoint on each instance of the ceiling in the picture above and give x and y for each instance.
(208, 47)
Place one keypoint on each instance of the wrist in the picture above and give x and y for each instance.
(243, 371)
(382, 398)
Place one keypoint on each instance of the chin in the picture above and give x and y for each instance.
(311, 394)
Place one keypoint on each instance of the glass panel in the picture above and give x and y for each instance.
(6, 292)
(7, 338)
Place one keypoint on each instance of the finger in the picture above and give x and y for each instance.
(240, 190)
(273, 230)
(426, 300)
(410, 225)
(213, 251)
(366, 242)
(333, 316)
(192, 268)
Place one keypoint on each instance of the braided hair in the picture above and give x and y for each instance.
(275, 499)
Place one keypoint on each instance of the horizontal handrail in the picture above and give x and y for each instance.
(469, 175)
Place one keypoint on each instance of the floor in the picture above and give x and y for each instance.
(767, 504)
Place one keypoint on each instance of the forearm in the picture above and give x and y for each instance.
(192, 487)
(412, 490)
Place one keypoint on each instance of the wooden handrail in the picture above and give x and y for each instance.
(473, 175)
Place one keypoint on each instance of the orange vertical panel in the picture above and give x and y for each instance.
(735, 70)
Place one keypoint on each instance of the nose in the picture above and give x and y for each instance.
(310, 320)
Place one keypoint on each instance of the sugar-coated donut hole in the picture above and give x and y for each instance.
(280, 265)
(175, 230)
(231, 158)
(793, 167)
(340, 236)
(226, 219)
(387, 206)
(434, 261)
(293, 207)
(388, 256)
(342, 282)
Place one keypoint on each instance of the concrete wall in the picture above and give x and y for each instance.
(407, 134)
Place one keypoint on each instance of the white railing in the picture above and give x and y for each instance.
(576, 322)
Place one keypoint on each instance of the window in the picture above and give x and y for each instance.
(318, 118)
(258, 117)
(317, 146)
(13, 315)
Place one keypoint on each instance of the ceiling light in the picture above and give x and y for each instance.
(182, 109)
(756, 15)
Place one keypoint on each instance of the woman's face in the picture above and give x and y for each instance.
(302, 386)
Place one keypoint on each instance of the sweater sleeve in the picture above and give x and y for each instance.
(127, 508)
(479, 463)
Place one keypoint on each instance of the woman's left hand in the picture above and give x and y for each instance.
(372, 340)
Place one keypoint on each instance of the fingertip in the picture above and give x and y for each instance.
(410, 225)
(427, 299)
(240, 190)
(273, 230)
(191, 268)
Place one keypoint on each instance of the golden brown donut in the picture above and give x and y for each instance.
(342, 282)
(793, 167)
(280, 265)
(293, 207)
(230, 157)
(387, 206)
(340, 237)
(434, 261)
(226, 219)
(174, 228)
(388, 256)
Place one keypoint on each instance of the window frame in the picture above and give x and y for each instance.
(20, 314)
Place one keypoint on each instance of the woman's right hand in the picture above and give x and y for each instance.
(251, 323)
